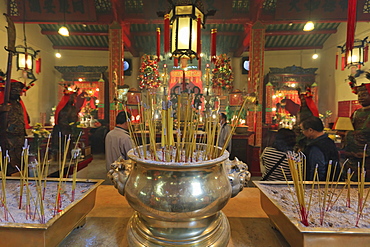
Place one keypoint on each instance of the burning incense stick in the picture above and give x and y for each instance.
(348, 203)
(234, 126)
(31, 198)
(74, 180)
(323, 208)
(331, 203)
(362, 207)
(312, 188)
(61, 175)
(361, 193)
(289, 188)
(132, 132)
(3, 166)
(21, 180)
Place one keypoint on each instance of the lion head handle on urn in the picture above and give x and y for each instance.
(238, 175)
(119, 173)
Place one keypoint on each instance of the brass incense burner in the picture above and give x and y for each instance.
(177, 203)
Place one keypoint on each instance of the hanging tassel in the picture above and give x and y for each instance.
(200, 60)
(176, 62)
(366, 53)
(336, 60)
(166, 34)
(38, 66)
(199, 43)
(158, 44)
(343, 63)
(213, 45)
(25, 61)
(351, 24)
(25, 115)
(183, 81)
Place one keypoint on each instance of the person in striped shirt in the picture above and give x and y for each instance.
(273, 158)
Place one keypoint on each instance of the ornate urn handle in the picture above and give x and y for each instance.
(119, 173)
(238, 175)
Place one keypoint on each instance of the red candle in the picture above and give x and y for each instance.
(158, 43)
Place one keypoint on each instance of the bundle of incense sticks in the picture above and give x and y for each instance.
(361, 187)
(40, 177)
(297, 166)
(178, 141)
(58, 198)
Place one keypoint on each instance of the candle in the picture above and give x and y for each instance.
(207, 76)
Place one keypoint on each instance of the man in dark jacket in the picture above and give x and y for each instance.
(319, 149)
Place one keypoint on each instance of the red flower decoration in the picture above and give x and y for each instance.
(148, 73)
(222, 73)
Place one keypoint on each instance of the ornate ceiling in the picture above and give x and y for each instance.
(89, 20)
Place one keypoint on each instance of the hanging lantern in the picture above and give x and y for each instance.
(63, 30)
(186, 18)
(357, 56)
(184, 36)
(25, 57)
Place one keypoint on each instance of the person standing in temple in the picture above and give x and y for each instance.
(118, 141)
(225, 131)
(355, 140)
(319, 149)
(13, 136)
(274, 158)
(97, 136)
(66, 117)
(307, 109)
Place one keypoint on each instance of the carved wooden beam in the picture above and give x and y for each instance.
(299, 32)
(127, 37)
(72, 33)
(245, 42)
(90, 48)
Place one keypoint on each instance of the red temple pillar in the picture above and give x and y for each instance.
(116, 58)
(255, 80)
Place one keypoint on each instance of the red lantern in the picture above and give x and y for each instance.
(38, 66)
(199, 43)
(166, 33)
(158, 43)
